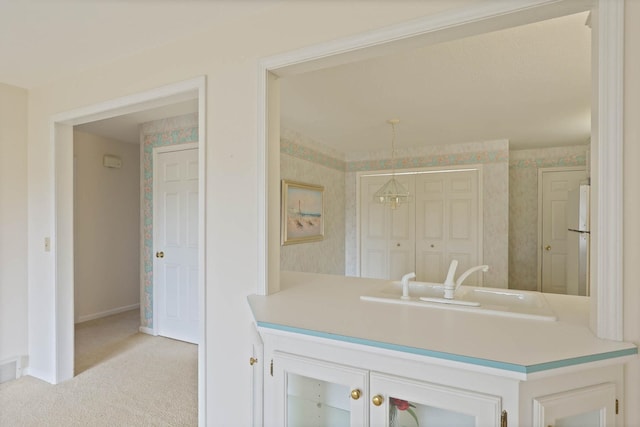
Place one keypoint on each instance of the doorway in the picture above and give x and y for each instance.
(62, 126)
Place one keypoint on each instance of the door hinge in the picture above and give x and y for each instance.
(503, 419)
(617, 407)
(271, 368)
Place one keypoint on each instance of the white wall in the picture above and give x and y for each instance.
(13, 222)
(229, 55)
(107, 227)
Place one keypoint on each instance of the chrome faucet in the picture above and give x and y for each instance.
(450, 287)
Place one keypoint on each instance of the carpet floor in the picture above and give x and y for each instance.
(123, 378)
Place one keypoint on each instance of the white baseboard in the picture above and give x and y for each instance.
(116, 310)
(12, 368)
(148, 331)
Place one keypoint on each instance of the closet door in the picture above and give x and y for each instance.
(447, 224)
(387, 236)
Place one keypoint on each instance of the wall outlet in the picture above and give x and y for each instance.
(47, 244)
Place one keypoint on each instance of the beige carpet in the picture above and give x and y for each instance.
(123, 378)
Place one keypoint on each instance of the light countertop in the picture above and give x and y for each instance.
(329, 306)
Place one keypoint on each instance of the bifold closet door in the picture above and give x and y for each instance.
(387, 236)
(447, 224)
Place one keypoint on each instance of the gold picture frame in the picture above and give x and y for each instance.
(301, 213)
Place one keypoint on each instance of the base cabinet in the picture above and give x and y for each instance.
(316, 383)
(585, 407)
(311, 392)
(398, 401)
(314, 393)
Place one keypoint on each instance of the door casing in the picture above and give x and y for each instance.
(61, 126)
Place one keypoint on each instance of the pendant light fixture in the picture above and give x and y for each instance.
(392, 193)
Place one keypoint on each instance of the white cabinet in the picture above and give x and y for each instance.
(398, 401)
(312, 381)
(593, 406)
(314, 393)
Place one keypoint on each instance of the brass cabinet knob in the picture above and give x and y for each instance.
(355, 394)
(160, 254)
(547, 248)
(377, 400)
(253, 361)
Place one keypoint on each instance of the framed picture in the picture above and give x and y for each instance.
(302, 213)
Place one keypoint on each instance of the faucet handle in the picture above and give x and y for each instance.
(405, 284)
(451, 273)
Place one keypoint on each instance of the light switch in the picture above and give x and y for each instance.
(47, 244)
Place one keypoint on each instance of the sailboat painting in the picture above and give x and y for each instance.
(301, 212)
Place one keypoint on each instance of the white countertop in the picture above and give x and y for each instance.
(330, 307)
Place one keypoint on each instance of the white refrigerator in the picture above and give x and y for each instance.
(578, 240)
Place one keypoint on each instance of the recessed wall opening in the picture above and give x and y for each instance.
(606, 160)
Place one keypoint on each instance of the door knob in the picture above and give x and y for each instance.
(547, 248)
(160, 254)
(377, 400)
(355, 394)
(253, 361)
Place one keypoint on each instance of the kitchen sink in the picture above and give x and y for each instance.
(483, 300)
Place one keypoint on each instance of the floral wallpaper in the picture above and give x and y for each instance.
(510, 199)
(160, 133)
(523, 207)
(306, 161)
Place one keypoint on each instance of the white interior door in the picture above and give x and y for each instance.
(555, 187)
(175, 237)
(387, 236)
(447, 224)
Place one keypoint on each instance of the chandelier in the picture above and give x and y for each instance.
(392, 193)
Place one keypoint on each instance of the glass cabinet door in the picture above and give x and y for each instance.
(403, 402)
(313, 393)
(584, 407)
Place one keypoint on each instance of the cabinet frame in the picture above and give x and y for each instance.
(485, 408)
(602, 398)
(517, 393)
(354, 378)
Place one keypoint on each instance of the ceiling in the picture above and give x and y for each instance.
(529, 84)
(44, 40)
(126, 128)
